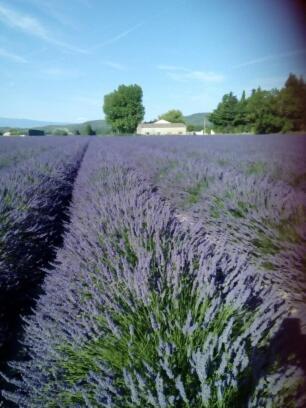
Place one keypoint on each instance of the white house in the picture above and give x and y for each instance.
(162, 127)
(7, 134)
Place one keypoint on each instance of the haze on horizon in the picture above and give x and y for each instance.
(57, 61)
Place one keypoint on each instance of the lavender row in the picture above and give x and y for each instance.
(143, 310)
(14, 151)
(33, 199)
(251, 190)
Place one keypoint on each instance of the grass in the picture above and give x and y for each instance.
(195, 192)
(285, 232)
(256, 168)
(238, 208)
(223, 162)
(217, 207)
(165, 169)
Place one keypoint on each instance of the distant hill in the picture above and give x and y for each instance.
(99, 126)
(197, 119)
(22, 123)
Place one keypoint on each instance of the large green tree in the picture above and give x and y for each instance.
(292, 103)
(263, 113)
(123, 108)
(241, 121)
(173, 116)
(224, 116)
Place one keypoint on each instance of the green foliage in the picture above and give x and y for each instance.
(16, 132)
(194, 128)
(194, 192)
(224, 116)
(139, 343)
(99, 126)
(263, 111)
(173, 116)
(256, 168)
(284, 233)
(60, 132)
(292, 103)
(217, 207)
(89, 130)
(124, 109)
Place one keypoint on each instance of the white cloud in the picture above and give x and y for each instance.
(21, 21)
(115, 65)
(54, 11)
(271, 57)
(61, 73)
(12, 57)
(182, 74)
(117, 37)
(171, 68)
(32, 26)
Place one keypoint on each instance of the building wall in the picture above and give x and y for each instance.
(161, 131)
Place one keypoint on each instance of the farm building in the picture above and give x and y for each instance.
(35, 132)
(162, 127)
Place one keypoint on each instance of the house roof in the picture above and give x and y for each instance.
(162, 121)
(162, 124)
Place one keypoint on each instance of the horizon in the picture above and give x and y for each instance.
(57, 63)
(52, 123)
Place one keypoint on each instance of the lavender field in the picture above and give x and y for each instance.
(153, 272)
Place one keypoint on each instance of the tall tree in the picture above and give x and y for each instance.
(241, 119)
(89, 130)
(292, 103)
(123, 108)
(262, 112)
(224, 116)
(173, 116)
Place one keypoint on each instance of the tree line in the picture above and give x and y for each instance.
(263, 111)
(277, 110)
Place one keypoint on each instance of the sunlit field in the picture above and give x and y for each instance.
(153, 271)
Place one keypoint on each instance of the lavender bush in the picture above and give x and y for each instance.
(253, 192)
(15, 150)
(34, 195)
(143, 308)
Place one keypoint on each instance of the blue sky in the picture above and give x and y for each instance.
(58, 58)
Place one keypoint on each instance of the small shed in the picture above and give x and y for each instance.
(36, 132)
